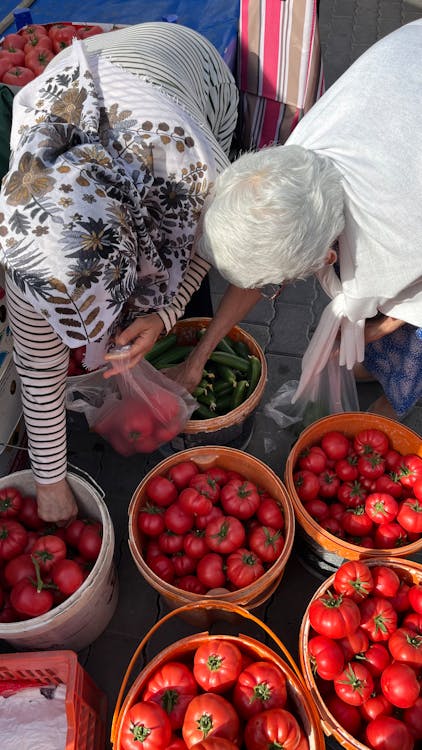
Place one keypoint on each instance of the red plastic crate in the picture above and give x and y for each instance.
(86, 705)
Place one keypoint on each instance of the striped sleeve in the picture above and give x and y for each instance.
(196, 271)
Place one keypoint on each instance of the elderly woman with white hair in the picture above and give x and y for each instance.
(346, 187)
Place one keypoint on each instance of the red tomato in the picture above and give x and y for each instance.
(177, 519)
(329, 484)
(225, 535)
(243, 568)
(417, 489)
(326, 657)
(170, 543)
(38, 59)
(406, 646)
(176, 743)
(389, 484)
(83, 32)
(332, 526)
(68, 576)
(163, 567)
(267, 543)
(13, 54)
(390, 535)
(335, 445)
(72, 532)
(216, 666)
(240, 499)
(270, 513)
(219, 475)
(13, 538)
(150, 520)
(378, 618)
(351, 494)
(381, 507)
(415, 597)
(195, 545)
(271, 729)
(210, 571)
(334, 616)
(161, 491)
(206, 485)
(90, 542)
(201, 522)
(261, 686)
(183, 564)
(19, 568)
(5, 65)
(215, 743)
(209, 715)
(313, 459)
(145, 725)
(172, 686)
(354, 579)
(371, 441)
(371, 466)
(346, 468)
(412, 717)
(48, 550)
(10, 502)
(400, 685)
(63, 38)
(306, 485)
(182, 473)
(400, 601)
(375, 706)
(356, 522)
(35, 29)
(18, 76)
(27, 600)
(354, 684)
(410, 515)
(355, 643)
(348, 716)
(194, 502)
(39, 43)
(386, 581)
(192, 584)
(410, 470)
(388, 733)
(16, 40)
(413, 621)
(377, 658)
(317, 508)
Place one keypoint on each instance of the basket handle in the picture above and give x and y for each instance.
(203, 604)
(82, 474)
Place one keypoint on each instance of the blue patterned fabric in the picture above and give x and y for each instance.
(396, 362)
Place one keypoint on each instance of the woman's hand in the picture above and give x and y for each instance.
(141, 335)
(56, 502)
(380, 326)
(188, 374)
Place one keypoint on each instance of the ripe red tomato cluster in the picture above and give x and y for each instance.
(25, 54)
(365, 650)
(205, 530)
(135, 426)
(40, 564)
(362, 490)
(219, 699)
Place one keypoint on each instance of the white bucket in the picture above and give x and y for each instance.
(80, 619)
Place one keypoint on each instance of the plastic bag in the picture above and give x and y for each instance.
(136, 411)
(332, 391)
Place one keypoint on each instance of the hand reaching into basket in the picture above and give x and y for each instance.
(140, 336)
(56, 502)
(188, 373)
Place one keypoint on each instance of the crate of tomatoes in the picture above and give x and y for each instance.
(25, 54)
(211, 521)
(216, 692)
(355, 481)
(361, 654)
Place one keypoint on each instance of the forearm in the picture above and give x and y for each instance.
(195, 273)
(377, 329)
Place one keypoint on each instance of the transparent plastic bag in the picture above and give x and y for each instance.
(137, 410)
(332, 391)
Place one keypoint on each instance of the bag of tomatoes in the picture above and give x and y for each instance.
(219, 692)
(140, 408)
(361, 654)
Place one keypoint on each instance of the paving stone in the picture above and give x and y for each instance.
(290, 330)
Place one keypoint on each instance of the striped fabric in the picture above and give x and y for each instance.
(280, 71)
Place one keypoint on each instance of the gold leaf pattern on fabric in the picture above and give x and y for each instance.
(32, 178)
(57, 300)
(82, 181)
(92, 315)
(87, 303)
(180, 146)
(69, 105)
(57, 284)
(165, 139)
(76, 335)
(147, 125)
(74, 322)
(97, 330)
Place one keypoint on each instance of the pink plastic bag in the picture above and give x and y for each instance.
(146, 410)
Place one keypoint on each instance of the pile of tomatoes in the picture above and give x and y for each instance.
(41, 565)
(365, 650)
(362, 490)
(205, 530)
(219, 699)
(25, 54)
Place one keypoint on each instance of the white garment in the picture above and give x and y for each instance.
(369, 124)
(29, 721)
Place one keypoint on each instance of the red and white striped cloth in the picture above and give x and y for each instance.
(280, 73)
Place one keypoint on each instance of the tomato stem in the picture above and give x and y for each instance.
(205, 724)
(140, 732)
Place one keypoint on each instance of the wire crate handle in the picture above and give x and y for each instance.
(209, 605)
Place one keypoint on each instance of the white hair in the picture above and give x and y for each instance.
(272, 216)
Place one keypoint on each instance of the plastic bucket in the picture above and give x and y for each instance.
(321, 552)
(80, 619)
(407, 571)
(235, 428)
(184, 649)
(254, 470)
